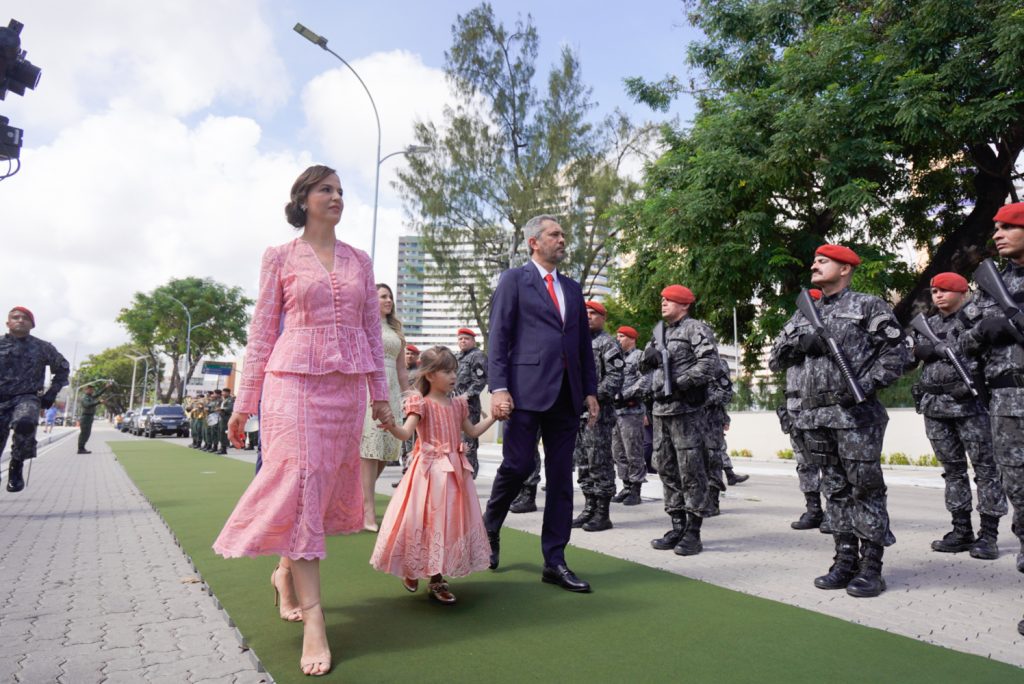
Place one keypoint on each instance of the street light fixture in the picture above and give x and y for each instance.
(320, 41)
(135, 365)
(188, 340)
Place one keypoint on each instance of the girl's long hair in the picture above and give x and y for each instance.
(434, 359)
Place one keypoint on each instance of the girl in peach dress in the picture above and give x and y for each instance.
(433, 526)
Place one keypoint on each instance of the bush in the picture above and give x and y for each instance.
(786, 454)
(899, 458)
(741, 453)
(928, 460)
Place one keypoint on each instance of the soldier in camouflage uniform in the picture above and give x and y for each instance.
(90, 400)
(958, 425)
(210, 431)
(628, 435)
(808, 473)
(843, 436)
(23, 362)
(684, 359)
(227, 405)
(412, 365)
(995, 342)
(471, 381)
(526, 500)
(716, 420)
(595, 470)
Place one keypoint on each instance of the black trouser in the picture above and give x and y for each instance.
(22, 414)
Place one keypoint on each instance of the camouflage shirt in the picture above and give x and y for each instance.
(23, 362)
(938, 377)
(693, 363)
(875, 345)
(635, 386)
(996, 360)
(780, 359)
(472, 375)
(609, 364)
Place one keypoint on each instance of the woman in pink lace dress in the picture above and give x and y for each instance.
(433, 526)
(314, 348)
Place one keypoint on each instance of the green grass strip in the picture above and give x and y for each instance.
(640, 624)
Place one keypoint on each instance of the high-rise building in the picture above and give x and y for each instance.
(429, 315)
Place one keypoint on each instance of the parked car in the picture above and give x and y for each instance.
(126, 421)
(166, 419)
(138, 421)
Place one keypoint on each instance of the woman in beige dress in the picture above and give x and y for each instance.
(378, 447)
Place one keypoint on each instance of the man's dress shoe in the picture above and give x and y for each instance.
(565, 578)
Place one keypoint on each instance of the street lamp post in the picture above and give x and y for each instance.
(411, 149)
(188, 341)
(135, 366)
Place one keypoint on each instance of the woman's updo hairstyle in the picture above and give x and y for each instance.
(295, 210)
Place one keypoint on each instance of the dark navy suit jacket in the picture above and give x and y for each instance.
(529, 348)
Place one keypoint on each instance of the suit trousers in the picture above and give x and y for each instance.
(558, 426)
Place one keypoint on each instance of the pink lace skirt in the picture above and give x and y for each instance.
(433, 524)
(308, 486)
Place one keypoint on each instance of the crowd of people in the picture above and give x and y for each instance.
(337, 392)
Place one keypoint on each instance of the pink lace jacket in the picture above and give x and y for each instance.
(313, 322)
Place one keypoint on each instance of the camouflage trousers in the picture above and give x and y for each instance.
(471, 447)
(20, 413)
(954, 439)
(715, 456)
(595, 470)
(628, 447)
(679, 458)
(807, 474)
(852, 481)
(1008, 443)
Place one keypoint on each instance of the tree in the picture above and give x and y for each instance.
(157, 324)
(879, 124)
(113, 364)
(506, 153)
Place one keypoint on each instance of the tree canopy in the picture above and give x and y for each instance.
(114, 364)
(157, 324)
(893, 126)
(510, 150)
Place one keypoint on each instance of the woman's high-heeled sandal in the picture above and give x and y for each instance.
(318, 665)
(293, 615)
(411, 585)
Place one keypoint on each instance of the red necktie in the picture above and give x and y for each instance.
(551, 291)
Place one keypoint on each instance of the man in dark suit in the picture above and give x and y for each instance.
(541, 371)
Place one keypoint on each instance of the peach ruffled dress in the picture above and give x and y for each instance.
(433, 524)
(314, 348)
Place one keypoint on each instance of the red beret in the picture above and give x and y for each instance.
(954, 282)
(1011, 213)
(815, 293)
(28, 313)
(843, 255)
(413, 348)
(628, 331)
(678, 294)
(466, 331)
(598, 307)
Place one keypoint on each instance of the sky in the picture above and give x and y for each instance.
(164, 136)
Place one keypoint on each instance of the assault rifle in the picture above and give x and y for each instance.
(806, 306)
(987, 277)
(920, 324)
(666, 387)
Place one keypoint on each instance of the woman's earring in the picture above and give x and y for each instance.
(302, 207)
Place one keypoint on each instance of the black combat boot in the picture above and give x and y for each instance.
(601, 520)
(733, 479)
(712, 508)
(985, 546)
(690, 544)
(1020, 628)
(672, 537)
(526, 502)
(588, 511)
(844, 564)
(812, 517)
(960, 538)
(622, 493)
(15, 482)
(868, 581)
(1020, 556)
(633, 496)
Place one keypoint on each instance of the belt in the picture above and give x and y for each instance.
(792, 395)
(940, 388)
(1007, 380)
(820, 400)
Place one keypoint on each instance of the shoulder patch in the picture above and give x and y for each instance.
(618, 362)
(479, 372)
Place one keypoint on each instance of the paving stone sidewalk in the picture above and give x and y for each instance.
(95, 589)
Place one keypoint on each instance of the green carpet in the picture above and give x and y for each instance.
(640, 624)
